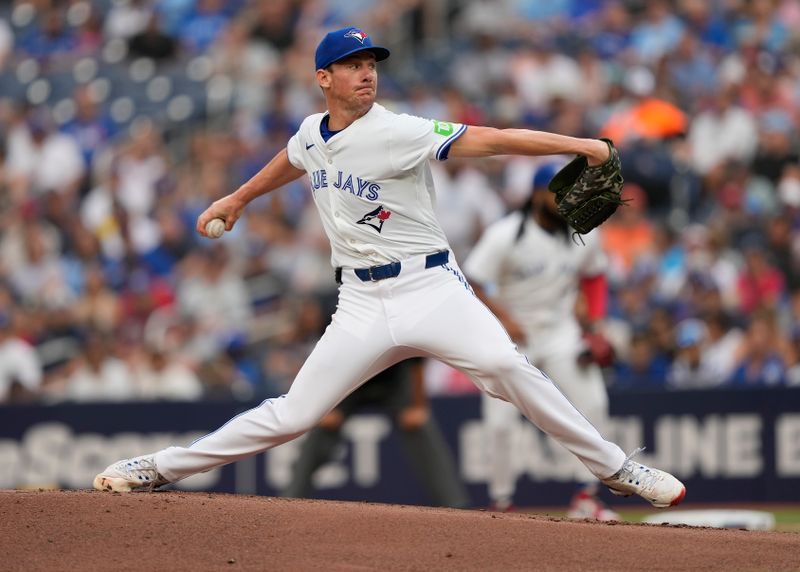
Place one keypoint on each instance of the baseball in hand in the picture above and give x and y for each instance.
(215, 227)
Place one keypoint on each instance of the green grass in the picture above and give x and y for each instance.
(787, 518)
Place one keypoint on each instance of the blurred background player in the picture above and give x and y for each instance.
(398, 390)
(536, 273)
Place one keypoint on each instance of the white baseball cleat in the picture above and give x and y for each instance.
(128, 474)
(657, 487)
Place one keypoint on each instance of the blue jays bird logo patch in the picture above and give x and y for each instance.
(357, 34)
(375, 218)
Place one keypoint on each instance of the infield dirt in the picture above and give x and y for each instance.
(92, 531)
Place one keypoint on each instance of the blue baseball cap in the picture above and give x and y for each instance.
(690, 332)
(345, 42)
(544, 174)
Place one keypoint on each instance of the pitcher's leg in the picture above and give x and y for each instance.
(339, 363)
(463, 333)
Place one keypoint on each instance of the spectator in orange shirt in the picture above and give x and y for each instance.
(645, 116)
(629, 234)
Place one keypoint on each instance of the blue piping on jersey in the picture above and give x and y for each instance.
(444, 150)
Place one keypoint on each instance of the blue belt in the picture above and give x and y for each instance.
(383, 271)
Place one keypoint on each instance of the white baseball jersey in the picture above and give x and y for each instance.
(537, 276)
(372, 184)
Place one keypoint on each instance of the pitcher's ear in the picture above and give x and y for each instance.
(324, 77)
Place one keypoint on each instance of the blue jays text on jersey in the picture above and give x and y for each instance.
(346, 182)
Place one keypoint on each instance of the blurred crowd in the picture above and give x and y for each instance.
(121, 120)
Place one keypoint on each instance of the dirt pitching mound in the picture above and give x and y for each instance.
(88, 531)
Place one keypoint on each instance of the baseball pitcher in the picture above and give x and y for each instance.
(402, 293)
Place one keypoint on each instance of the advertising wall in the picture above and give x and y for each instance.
(733, 446)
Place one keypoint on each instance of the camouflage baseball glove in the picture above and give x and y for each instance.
(586, 196)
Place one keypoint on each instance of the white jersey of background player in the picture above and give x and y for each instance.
(402, 294)
(465, 203)
(536, 270)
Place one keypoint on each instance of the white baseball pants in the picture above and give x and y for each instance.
(422, 312)
(582, 386)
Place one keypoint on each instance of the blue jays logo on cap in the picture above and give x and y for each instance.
(376, 218)
(357, 34)
(339, 44)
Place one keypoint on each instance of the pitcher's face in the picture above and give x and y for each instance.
(351, 82)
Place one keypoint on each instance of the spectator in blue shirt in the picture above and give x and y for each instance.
(204, 27)
(645, 367)
(49, 38)
(89, 128)
(658, 34)
(762, 363)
